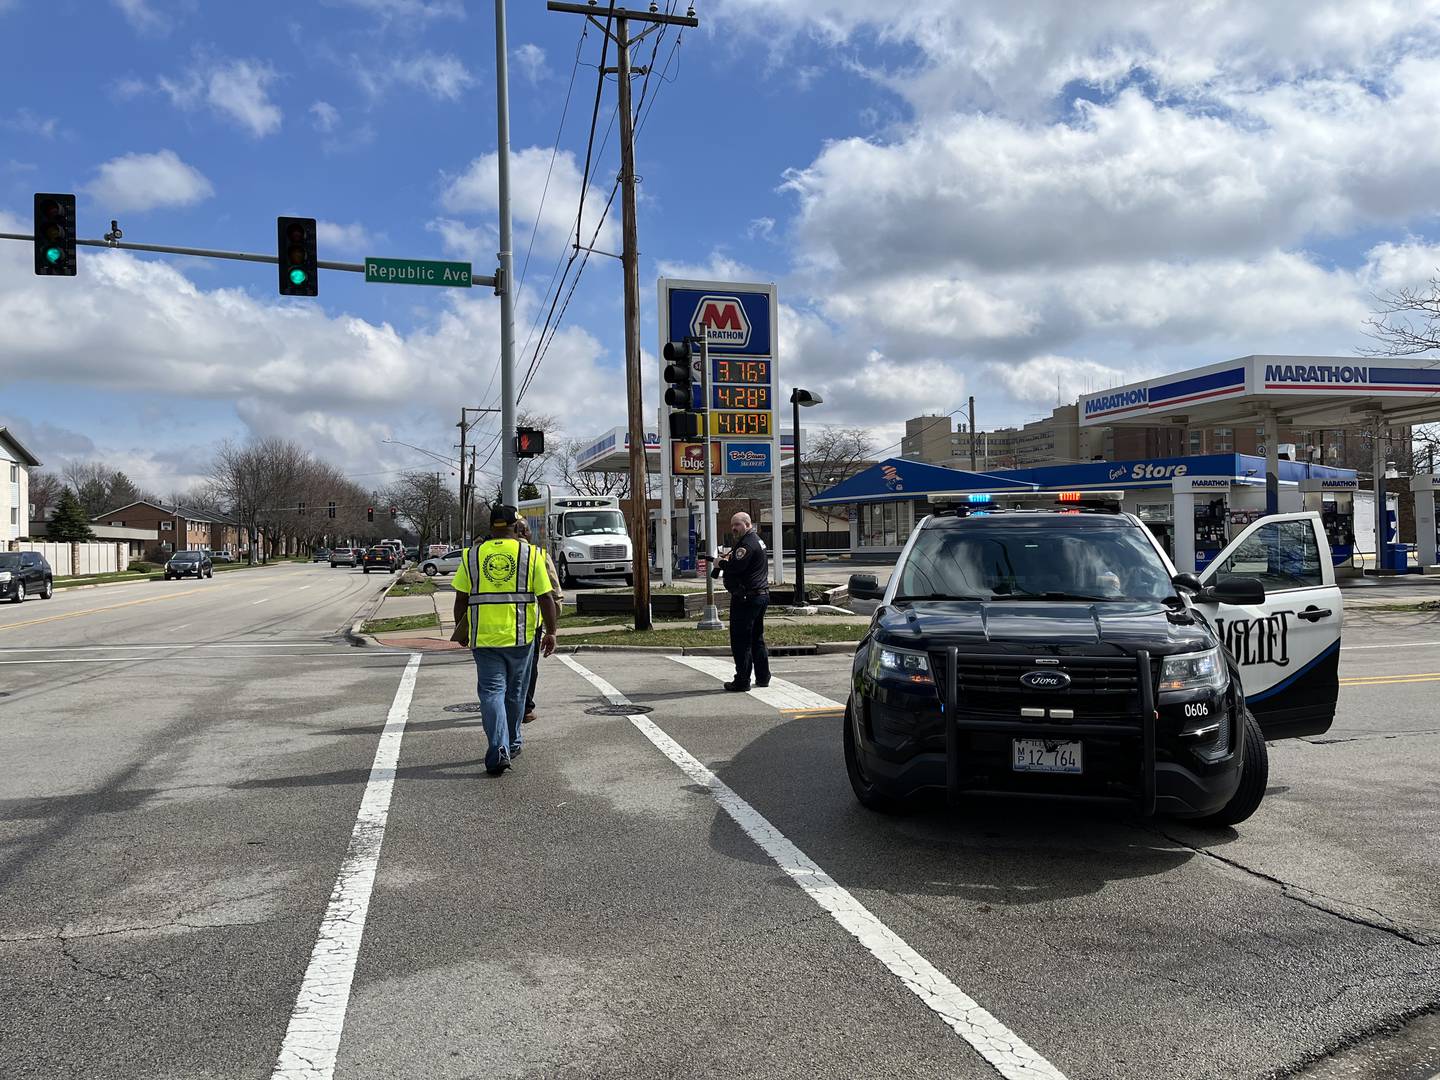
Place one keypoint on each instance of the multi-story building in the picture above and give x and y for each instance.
(178, 528)
(15, 465)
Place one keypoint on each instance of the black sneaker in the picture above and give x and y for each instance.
(502, 762)
(762, 683)
(515, 751)
(737, 687)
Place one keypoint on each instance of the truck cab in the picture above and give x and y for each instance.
(586, 535)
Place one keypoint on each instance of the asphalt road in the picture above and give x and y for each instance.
(174, 820)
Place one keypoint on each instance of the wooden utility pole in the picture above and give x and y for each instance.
(630, 260)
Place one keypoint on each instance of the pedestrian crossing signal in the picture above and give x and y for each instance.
(394, 513)
(331, 509)
(529, 442)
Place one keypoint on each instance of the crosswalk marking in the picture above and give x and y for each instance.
(781, 694)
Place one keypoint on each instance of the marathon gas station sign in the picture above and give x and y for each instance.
(1258, 377)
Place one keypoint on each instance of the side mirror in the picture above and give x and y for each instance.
(865, 587)
(1238, 590)
(1188, 582)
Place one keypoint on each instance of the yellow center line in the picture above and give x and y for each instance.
(1382, 680)
(109, 607)
(827, 711)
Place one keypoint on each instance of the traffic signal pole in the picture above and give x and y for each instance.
(630, 258)
(509, 466)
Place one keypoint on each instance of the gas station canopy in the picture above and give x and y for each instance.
(1308, 391)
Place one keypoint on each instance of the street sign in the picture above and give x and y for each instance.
(417, 272)
(688, 459)
(742, 423)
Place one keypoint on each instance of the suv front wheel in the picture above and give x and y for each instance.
(870, 796)
(1254, 777)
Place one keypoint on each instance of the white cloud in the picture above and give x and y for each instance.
(460, 240)
(352, 239)
(406, 11)
(145, 181)
(441, 75)
(142, 16)
(29, 123)
(530, 59)
(237, 89)
(142, 326)
(326, 117)
(761, 228)
(476, 191)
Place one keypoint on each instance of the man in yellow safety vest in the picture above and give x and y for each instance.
(502, 593)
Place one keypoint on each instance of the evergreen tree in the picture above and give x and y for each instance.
(120, 492)
(69, 523)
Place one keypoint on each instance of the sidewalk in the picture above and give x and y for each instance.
(1390, 591)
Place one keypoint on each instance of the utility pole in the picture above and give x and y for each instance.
(639, 508)
(972, 434)
(509, 482)
(462, 470)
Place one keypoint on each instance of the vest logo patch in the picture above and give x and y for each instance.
(498, 568)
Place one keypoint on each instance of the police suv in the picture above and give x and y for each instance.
(1054, 652)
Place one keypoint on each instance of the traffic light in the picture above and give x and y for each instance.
(394, 513)
(295, 247)
(529, 442)
(300, 509)
(54, 235)
(331, 509)
(370, 513)
(680, 395)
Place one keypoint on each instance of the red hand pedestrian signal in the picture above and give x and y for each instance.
(529, 442)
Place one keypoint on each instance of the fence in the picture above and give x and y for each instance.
(79, 560)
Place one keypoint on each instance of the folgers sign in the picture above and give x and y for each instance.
(688, 459)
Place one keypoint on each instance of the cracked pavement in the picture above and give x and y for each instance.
(166, 859)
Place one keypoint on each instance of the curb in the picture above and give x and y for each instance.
(353, 634)
(820, 648)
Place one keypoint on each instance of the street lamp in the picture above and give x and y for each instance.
(799, 397)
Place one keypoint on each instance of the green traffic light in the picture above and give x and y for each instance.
(298, 276)
(52, 255)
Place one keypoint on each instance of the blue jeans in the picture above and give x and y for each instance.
(502, 676)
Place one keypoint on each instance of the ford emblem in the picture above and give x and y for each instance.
(1045, 680)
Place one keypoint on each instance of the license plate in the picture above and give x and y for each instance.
(1046, 756)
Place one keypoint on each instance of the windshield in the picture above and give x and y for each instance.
(187, 556)
(1008, 564)
(594, 521)
(9, 561)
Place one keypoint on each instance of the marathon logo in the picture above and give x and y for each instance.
(725, 319)
(1317, 374)
(1340, 485)
(1121, 399)
(1205, 485)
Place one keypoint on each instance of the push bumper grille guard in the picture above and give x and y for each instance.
(1145, 728)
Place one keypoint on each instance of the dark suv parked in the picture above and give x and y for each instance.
(1057, 654)
(24, 574)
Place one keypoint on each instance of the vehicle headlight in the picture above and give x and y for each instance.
(574, 553)
(888, 661)
(4, 576)
(1193, 671)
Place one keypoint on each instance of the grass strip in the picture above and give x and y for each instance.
(401, 622)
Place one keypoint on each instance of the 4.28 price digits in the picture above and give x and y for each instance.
(740, 397)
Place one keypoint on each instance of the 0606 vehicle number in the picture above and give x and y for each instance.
(1197, 708)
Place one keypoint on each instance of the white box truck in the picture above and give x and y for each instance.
(585, 535)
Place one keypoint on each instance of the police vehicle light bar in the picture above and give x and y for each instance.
(1002, 497)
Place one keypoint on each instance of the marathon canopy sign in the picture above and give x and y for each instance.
(1236, 391)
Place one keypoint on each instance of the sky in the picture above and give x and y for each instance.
(1023, 202)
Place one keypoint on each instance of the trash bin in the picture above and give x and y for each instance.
(1396, 557)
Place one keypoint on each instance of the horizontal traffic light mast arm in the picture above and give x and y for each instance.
(208, 253)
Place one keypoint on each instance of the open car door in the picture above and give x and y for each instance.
(1288, 648)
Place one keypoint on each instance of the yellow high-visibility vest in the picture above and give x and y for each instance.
(504, 578)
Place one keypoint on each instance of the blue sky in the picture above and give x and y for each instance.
(954, 199)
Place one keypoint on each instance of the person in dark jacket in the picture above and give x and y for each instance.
(747, 579)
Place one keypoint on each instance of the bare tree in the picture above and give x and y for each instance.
(424, 500)
(1406, 322)
(566, 472)
(255, 481)
(45, 489)
(832, 455)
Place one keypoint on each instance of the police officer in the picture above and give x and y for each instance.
(747, 579)
(502, 591)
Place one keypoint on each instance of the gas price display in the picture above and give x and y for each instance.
(739, 397)
(741, 423)
(750, 372)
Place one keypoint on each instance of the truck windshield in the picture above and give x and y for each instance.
(594, 521)
(991, 563)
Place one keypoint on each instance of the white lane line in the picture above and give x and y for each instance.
(199, 645)
(313, 1037)
(172, 630)
(262, 600)
(302, 588)
(358, 654)
(1396, 645)
(780, 693)
(1010, 1056)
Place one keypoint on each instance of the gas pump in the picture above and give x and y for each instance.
(1159, 518)
(1427, 530)
(1202, 520)
(1334, 500)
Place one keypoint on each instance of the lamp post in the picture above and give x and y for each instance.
(798, 398)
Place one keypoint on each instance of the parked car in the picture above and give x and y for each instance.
(222, 556)
(24, 574)
(412, 552)
(344, 557)
(447, 563)
(188, 564)
(379, 558)
(321, 555)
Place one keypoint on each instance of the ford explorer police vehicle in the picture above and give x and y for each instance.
(1054, 652)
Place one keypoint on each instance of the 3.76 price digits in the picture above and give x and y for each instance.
(752, 372)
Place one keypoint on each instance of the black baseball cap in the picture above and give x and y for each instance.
(501, 514)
